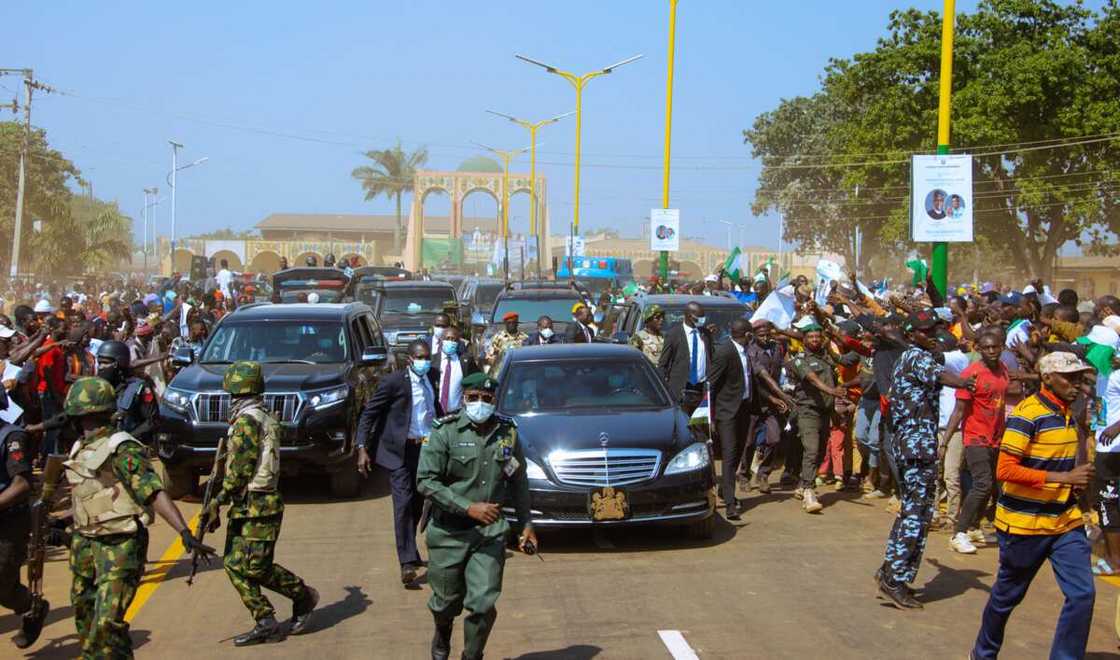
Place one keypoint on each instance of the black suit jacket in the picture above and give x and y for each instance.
(466, 363)
(674, 362)
(535, 339)
(385, 419)
(573, 334)
(726, 379)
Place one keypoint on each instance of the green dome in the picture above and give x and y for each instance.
(480, 164)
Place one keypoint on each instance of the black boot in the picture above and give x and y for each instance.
(441, 640)
(301, 612)
(32, 624)
(266, 630)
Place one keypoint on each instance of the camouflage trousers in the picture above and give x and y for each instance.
(250, 543)
(107, 571)
(917, 489)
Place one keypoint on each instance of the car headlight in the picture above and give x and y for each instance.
(694, 457)
(325, 398)
(534, 471)
(177, 399)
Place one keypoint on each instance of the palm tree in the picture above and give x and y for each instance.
(391, 174)
(82, 235)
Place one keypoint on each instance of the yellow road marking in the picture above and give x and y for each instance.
(153, 578)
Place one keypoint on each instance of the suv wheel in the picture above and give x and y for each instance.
(181, 481)
(346, 482)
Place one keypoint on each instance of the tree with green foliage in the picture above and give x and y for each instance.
(83, 235)
(1036, 100)
(391, 174)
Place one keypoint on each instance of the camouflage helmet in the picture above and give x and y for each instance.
(243, 377)
(90, 395)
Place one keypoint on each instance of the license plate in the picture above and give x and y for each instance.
(608, 503)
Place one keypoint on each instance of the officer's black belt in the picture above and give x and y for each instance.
(453, 522)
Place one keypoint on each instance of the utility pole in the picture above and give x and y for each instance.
(175, 147)
(939, 261)
(29, 84)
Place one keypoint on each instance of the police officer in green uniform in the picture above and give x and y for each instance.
(470, 464)
(814, 375)
(114, 492)
(250, 488)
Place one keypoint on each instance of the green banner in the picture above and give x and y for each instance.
(441, 253)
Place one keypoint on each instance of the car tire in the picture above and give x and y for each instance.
(703, 530)
(346, 482)
(180, 482)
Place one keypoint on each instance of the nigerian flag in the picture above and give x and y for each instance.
(734, 265)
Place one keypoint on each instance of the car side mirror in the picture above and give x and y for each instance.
(182, 357)
(375, 355)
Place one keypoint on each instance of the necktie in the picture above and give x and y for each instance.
(445, 386)
(694, 362)
(586, 333)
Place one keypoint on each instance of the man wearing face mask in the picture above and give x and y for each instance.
(733, 389)
(580, 330)
(685, 359)
(507, 338)
(137, 405)
(394, 423)
(470, 465)
(448, 373)
(439, 332)
(544, 334)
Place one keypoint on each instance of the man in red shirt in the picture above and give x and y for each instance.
(981, 416)
(50, 369)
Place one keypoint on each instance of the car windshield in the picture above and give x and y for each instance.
(313, 342)
(486, 294)
(566, 384)
(558, 309)
(721, 317)
(415, 301)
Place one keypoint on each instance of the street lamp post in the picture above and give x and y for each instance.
(577, 82)
(150, 200)
(506, 156)
(175, 147)
(532, 127)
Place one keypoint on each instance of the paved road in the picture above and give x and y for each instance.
(784, 584)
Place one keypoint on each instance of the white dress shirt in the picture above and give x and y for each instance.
(746, 369)
(452, 369)
(423, 406)
(702, 359)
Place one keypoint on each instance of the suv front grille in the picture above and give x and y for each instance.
(213, 407)
(605, 467)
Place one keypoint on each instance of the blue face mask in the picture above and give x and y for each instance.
(450, 348)
(421, 367)
(701, 321)
(479, 411)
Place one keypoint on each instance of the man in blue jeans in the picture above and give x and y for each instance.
(1037, 516)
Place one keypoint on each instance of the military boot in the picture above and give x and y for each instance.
(31, 625)
(266, 630)
(301, 612)
(441, 641)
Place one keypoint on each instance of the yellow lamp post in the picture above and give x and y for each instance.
(577, 82)
(532, 127)
(506, 157)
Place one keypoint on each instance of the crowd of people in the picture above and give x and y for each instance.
(990, 413)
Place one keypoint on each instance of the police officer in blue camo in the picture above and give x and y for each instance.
(914, 394)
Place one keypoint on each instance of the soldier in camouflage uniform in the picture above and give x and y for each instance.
(468, 466)
(250, 489)
(507, 338)
(114, 492)
(649, 339)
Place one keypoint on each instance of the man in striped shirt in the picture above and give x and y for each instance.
(1037, 516)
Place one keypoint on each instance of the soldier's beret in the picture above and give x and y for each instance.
(480, 381)
(510, 316)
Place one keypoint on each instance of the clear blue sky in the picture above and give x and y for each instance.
(283, 97)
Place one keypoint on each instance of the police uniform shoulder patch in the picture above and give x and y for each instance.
(446, 419)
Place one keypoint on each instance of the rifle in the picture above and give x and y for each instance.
(40, 532)
(207, 496)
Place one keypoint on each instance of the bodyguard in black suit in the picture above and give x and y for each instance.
(544, 335)
(397, 421)
(685, 373)
(435, 340)
(733, 392)
(580, 331)
(446, 377)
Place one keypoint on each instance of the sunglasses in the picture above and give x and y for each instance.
(484, 397)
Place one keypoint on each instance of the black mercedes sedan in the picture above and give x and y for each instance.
(604, 443)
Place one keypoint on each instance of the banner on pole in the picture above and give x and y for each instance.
(941, 199)
(665, 230)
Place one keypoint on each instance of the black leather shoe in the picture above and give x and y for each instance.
(301, 612)
(408, 574)
(266, 630)
(899, 594)
(31, 625)
(733, 512)
(441, 641)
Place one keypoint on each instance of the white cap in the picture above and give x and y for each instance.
(6, 332)
(43, 307)
(312, 297)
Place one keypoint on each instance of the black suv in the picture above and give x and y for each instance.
(406, 309)
(719, 310)
(476, 299)
(321, 363)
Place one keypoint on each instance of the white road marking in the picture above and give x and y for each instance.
(678, 647)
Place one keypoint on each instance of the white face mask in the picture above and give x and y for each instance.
(479, 411)
(546, 333)
(438, 331)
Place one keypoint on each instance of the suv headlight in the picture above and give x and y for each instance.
(694, 457)
(177, 399)
(325, 398)
(534, 471)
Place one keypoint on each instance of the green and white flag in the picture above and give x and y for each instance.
(735, 265)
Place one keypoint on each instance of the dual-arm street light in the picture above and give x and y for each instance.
(577, 82)
(532, 127)
(175, 147)
(506, 157)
